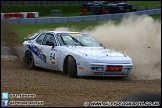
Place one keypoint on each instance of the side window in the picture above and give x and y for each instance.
(40, 38)
(49, 38)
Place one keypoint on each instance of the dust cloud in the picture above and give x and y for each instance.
(139, 37)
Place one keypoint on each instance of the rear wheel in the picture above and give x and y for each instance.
(72, 67)
(29, 60)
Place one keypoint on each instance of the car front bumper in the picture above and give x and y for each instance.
(99, 69)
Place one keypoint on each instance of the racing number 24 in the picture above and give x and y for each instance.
(52, 56)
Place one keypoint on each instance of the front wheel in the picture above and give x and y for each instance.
(72, 67)
(29, 60)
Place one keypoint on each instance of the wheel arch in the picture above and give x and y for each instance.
(65, 63)
(31, 53)
(25, 54)
(27, 51)
(33, 64)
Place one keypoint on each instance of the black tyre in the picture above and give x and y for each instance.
(29, 60)
(72, 67)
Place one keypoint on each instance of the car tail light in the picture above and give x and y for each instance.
(114, 68)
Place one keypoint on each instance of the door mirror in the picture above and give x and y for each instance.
(101, 44)
(26, 39)
(50, 44)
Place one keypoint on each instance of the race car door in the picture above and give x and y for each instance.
(39, 58)
(49, 52)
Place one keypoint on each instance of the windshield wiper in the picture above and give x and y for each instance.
(77, 41)
(63, 40)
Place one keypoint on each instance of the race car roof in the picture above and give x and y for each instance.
(61, 32)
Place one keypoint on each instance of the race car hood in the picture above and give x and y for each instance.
(100, 54)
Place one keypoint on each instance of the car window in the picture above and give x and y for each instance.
(66, 39)
(77, 40)
(50, 38)
(40, 38)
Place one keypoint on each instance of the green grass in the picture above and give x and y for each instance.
(145, 3)
(157, 17)
(67, 9)
(24, 30)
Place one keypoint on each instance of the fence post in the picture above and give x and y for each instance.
(67, 19)
(18, 21)
(35, 20)
(82, 19)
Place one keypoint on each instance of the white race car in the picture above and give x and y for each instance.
(74, 53)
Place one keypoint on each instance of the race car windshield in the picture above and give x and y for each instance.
(77, 40)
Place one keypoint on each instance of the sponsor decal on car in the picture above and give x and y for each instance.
(75, 34)
(52, 57)
(37, 53)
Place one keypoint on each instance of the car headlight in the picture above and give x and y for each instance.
(126, 69)
(97, 68)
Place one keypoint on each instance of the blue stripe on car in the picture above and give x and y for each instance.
(36, 53)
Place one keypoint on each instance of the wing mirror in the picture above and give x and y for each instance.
(50, 44)
(101, 44)
(26, 39)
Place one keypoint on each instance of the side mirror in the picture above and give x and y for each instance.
(26, 39)
(50, 44)
(101, 44)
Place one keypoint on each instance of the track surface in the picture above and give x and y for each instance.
(56, 89)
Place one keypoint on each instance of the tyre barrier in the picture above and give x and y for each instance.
(49, 20)
(19, 15)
